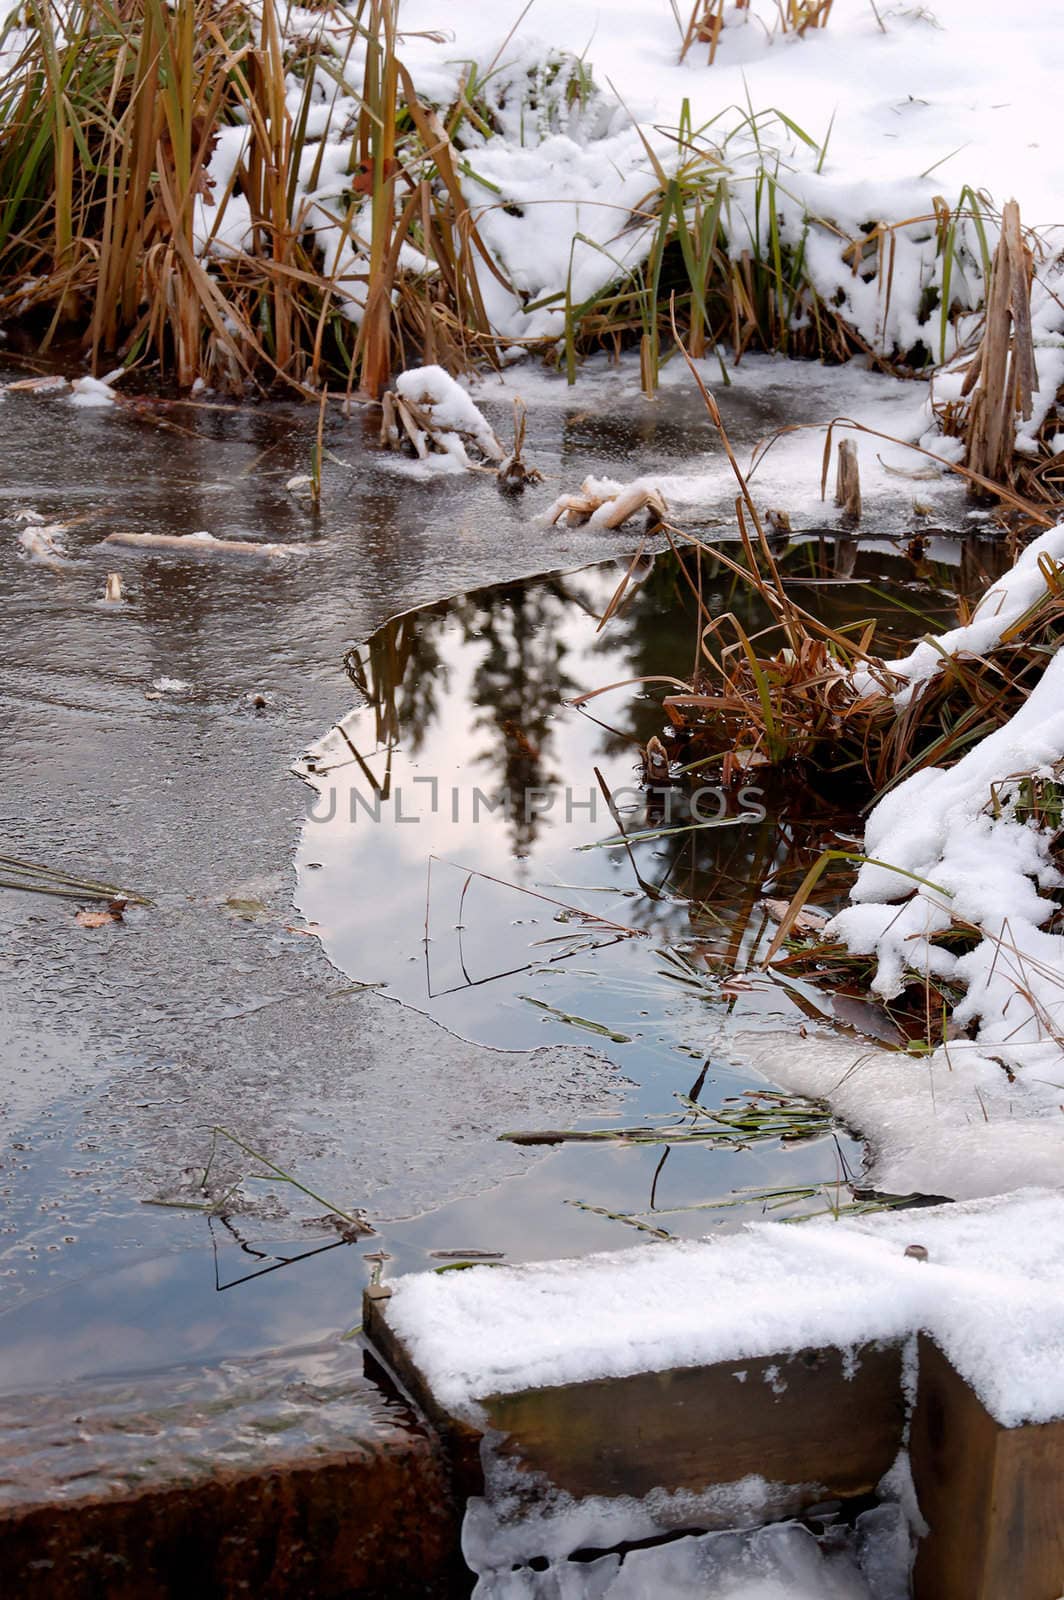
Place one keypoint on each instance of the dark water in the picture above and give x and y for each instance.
(123, 1047)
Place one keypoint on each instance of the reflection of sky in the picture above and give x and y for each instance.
(493, 949)
(558, 1207)
(165, 1310)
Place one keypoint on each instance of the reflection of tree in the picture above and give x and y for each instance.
(657, 629)
(516, 691)
(401, 672)
(516, 688)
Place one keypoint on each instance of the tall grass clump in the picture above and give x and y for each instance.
(252, 196)
(120, 228)
(709, 18)
(804, 693)
(728, 251)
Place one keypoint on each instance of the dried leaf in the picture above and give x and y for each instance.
(807, 920)
(97, 919)
(363, 183)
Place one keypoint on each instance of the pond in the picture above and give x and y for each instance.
(127, 1045)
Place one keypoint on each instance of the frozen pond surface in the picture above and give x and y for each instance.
(123, 1046)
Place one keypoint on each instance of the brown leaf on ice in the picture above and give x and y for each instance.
(100, 919)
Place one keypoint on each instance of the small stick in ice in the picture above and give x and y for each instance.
(514, 472)
(848, 481)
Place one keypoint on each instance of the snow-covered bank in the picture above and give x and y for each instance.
(959, 887)
(971, 850)
(868, 159)
(549, 179)
(991, 1294)
(956, 84)
(948, 1124)
(867, 131)
(1004, 605)
(982, 865)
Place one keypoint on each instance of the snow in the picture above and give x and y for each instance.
(931, 82)
(449, 410)
(877, 129)
(91, 394)
(864, 122)
(947, 848)
(781, 1562)
(1003, 604)
(43, 542)
(991, 1295)
(949, 1124)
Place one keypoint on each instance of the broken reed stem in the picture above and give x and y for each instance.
(35, 878)
(318, 452)
(848, 481)
(1002, 377)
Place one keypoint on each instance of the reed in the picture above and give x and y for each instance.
(726, 255)
(785, 694)
(114, 233)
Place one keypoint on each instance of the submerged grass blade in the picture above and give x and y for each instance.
(578, 1022)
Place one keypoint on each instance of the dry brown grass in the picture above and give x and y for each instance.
(787, 694)
(108, 121)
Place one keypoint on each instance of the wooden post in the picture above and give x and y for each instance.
(810, 1424)
(993, 1497)
(291, 1474)
(814, 1424)
(817, 1424)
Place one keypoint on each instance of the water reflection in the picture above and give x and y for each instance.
(492, 855)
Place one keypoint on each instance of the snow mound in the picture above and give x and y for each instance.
(448, 410)
(1001, 607)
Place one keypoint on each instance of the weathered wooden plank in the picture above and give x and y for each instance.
(819, 1419)
(280, 1476)
(461, 1440)
(824, 1422)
